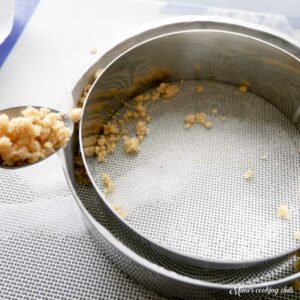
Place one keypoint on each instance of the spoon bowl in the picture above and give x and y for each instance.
(13, 112)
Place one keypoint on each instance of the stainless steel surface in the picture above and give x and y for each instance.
(137, 263)
(147, 266)
(13, 112)
(239, 55)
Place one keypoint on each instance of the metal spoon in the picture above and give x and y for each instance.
(14, 112)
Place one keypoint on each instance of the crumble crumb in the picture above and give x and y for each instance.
(89, 151)
(131, 145)
(118, 209)
(167, 90)
(243, 88)
(208, 124)
(248, 174)
(223, 118)
(32, 137)
(199, 88)
(140, 129)
(75, 114)
(107, 182)
(187, 125)
(282, 212)
(201, 118)
(190, 119)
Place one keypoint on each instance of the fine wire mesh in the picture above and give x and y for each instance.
(248, 276)
(186, 188)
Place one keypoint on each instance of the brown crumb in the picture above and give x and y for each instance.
(243, 88)
(75, 114)
(107, 182)
(199, 88)
(167, 90)
(201, 118)
(208, 124)
(131, 145)
(89, 151)
(140, 129)
(191, 119)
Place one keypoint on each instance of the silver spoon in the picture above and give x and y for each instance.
(14, 112)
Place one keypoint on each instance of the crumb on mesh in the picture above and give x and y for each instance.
(207, 124)
(199, 88)
(223, 118)
(190, 119)
(131, 145)
(248, 174)
(140, 129)
(165, 90)
(107, 182)
(118, 209)
(282, 212)
(243, 88)
(200, 118)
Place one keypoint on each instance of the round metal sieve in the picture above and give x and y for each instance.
(185, 191)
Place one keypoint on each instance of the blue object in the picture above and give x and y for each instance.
(23, 12)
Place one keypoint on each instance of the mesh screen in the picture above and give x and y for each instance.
(186, 188)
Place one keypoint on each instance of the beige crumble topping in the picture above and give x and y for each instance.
(199, 88)
(200, 118)
(75, 114)
(165, 90)
(118, 209)
(131, 145)
(107, 182)
(282, 212)
(248, 174)
(32, 137)
(140, 129)
(243, 88)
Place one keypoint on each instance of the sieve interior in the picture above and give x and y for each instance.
(186, 190)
